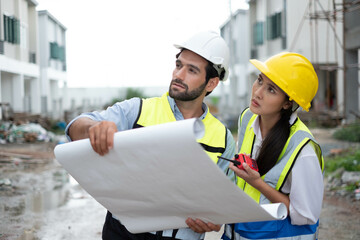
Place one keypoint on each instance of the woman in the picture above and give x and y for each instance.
(289, 159)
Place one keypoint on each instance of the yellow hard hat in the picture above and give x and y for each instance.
(294, 74)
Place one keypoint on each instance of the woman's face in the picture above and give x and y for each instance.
(267, 99)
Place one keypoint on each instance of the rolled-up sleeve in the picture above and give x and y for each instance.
(123, 114)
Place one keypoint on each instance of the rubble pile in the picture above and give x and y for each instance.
(25, 133)
(340, 183)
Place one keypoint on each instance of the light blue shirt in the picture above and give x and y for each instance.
(125, 113)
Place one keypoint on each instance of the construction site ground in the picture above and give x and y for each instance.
(39, 200)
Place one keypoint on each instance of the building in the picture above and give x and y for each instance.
(235, 91)
(19, 69)
(351, 11)
(32, 60)
(52, 39)
(315, 29)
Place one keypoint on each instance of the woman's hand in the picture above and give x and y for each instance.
(200, 226)
(253, 178)
(248, 174)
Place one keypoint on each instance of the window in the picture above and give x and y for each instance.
(11, 30)
(54, 53)
(57, 52)
(273, 26)
(258, 33)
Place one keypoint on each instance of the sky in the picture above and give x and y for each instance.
(129, 43)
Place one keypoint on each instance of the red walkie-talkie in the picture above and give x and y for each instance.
(242, 158)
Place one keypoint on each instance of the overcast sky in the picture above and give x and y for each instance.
(116, 43)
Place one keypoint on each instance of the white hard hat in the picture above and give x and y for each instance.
(212, 47)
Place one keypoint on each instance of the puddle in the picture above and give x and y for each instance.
(28, 192)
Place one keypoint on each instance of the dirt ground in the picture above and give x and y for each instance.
(38, 200)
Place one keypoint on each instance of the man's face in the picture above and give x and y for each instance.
(189, 77)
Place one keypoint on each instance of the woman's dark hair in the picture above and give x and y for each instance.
(274, 142)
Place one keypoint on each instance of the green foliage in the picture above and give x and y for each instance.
(350, 161)
(214, 100)
(130, 93)
(350, 133)
(134, 92)
(351, 187)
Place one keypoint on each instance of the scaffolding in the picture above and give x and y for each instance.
(333, 14)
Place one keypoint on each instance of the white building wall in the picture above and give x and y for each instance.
(18, 92)
(273, 46)
(23, 50)
(234, 92)
(43, 42)
(15, 67)
(6, 88)
(32, 42)
(260, 16)
(32, 93)
(52, 73)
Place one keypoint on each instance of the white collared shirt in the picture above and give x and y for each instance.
(304, 184)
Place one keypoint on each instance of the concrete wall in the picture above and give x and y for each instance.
(19, 81)
(352, 48)
(52, 71)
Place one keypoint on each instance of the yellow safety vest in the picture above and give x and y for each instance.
(157, 110)
(276, 176)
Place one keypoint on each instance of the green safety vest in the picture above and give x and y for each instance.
(276, 176)
(157, 110)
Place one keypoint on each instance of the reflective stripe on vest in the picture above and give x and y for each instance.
(157, 110)
(246, 116)
(275, 177)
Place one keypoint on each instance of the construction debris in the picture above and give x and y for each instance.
(28, 132)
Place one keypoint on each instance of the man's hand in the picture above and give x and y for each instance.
(200, 226)
(101, 136)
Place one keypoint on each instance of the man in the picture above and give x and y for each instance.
(201, 63)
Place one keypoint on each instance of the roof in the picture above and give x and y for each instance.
(46, 12)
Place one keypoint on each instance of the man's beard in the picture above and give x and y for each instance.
(185, 96)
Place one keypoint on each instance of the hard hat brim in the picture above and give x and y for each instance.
(265, 70)
(260, 66)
